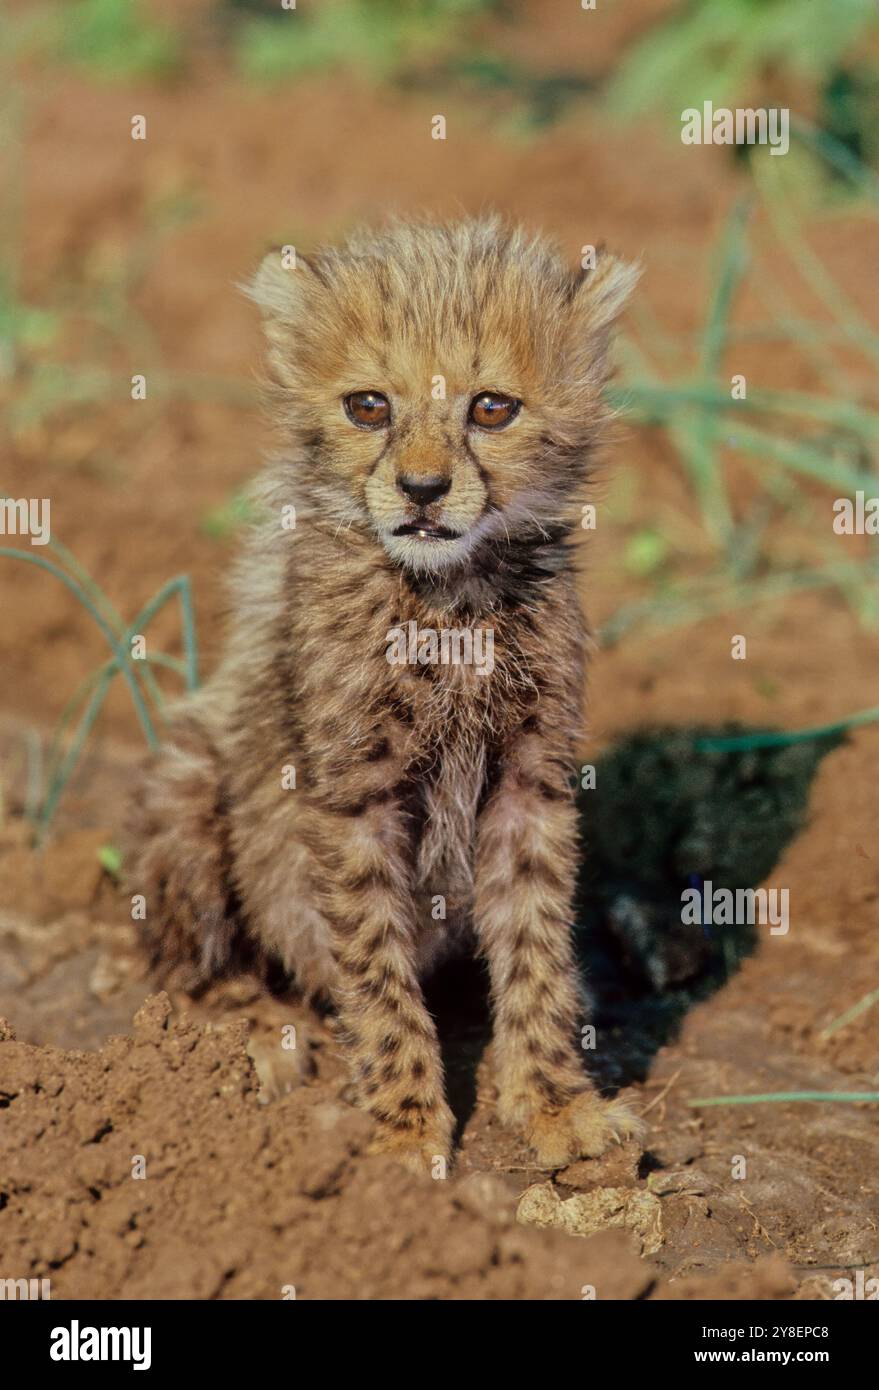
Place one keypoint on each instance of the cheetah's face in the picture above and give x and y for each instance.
(446, 383)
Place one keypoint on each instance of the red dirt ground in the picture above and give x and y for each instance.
(255, 1175)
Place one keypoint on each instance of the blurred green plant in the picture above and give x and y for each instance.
(538, 99)
(787, 436)
(36, 339)
(223, 521)
(729, 51)
(377, 37)
(110, 860)
(646, 552)
(117, 39)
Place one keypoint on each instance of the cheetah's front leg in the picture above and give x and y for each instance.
(526, 859)
(363, 860)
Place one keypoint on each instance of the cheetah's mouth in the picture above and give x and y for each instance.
(426, 531)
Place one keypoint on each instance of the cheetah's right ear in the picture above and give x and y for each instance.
(281, 285)
(283, 288)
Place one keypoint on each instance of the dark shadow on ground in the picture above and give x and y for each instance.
(661, 816)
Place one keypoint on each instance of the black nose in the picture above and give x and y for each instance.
(422, 491)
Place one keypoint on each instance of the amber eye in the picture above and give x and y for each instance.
(368, 409)
(490, 410)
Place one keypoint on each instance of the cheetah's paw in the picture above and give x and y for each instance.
(584, 1128)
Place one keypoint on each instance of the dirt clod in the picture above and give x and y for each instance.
(149, 1169)
(588, 1212)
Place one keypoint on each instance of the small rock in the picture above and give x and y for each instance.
(584, 1213)
(691, 1182)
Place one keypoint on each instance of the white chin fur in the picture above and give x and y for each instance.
(424, 556)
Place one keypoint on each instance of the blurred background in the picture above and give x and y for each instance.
(267, 125)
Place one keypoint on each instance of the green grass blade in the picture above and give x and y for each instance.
(782, 1097)
(121, 654)
(700, 448)
(851, 1014)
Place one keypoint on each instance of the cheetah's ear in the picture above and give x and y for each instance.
(281, 286)
(598, 295)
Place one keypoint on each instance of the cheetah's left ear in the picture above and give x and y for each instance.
(598, 295)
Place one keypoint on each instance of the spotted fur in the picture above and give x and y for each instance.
(417, 785)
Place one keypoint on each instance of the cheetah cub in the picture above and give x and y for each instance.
(379, 773)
